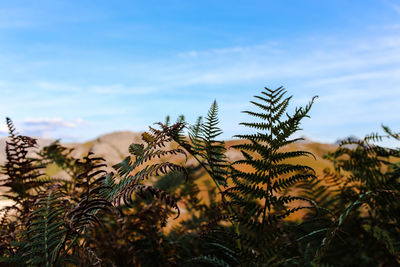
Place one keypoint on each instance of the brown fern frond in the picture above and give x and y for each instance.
(91, 202)
(21, 173)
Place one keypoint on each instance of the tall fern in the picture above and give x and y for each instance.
(204, 144)
(260, 178)
(206, 148)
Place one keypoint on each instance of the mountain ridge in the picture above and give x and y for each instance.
(113, 147)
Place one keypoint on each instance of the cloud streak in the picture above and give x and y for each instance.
(347, 74)
(52, 123)
(47, 127)
(135, 79)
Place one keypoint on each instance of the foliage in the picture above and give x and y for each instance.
(178, 200)
(259, 192)
(21, 173)
(368, 197)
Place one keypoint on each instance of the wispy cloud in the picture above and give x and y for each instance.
(272, 47)
(394, 6)
(52, 123)
(43, 127)
(12, 18)
(358, 80)
(56, 86)
(46, 127)
(115, 88)
(347, 74)
(152, 69)
(363, 76)
(122, 89)
(41, 15)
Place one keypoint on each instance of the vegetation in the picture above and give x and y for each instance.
(123, 215)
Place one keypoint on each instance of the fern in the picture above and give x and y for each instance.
(204, 138)
(351, 212)
(60, 156)
(44, 238)
(138, 166)
(90, 201)
(256, 194)
(204, 146)
(22, 174)
(367, 201)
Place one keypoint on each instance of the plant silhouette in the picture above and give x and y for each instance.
(151, 210)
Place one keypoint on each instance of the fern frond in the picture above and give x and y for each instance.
(137, 167)
(46, 231)
(259, 192)
(91, 180)
(21, 173)
(127, 193)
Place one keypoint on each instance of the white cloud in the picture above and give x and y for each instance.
(52, 123)
(122, 89)
(351, 59)
(270, 47)
(59, 87)
(349, 74)
(358, 80)
(368, 75)
(3, 128)
(47, 127)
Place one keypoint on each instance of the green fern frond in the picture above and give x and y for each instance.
(42, 241)
(259, 192)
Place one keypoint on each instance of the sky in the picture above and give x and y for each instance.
(78, 69)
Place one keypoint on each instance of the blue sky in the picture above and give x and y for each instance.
(78, 69)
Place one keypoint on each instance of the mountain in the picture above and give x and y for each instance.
(114, 148)
(41, 143)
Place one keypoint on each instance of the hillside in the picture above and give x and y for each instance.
(114, 147)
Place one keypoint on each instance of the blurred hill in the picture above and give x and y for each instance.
(114, 147)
